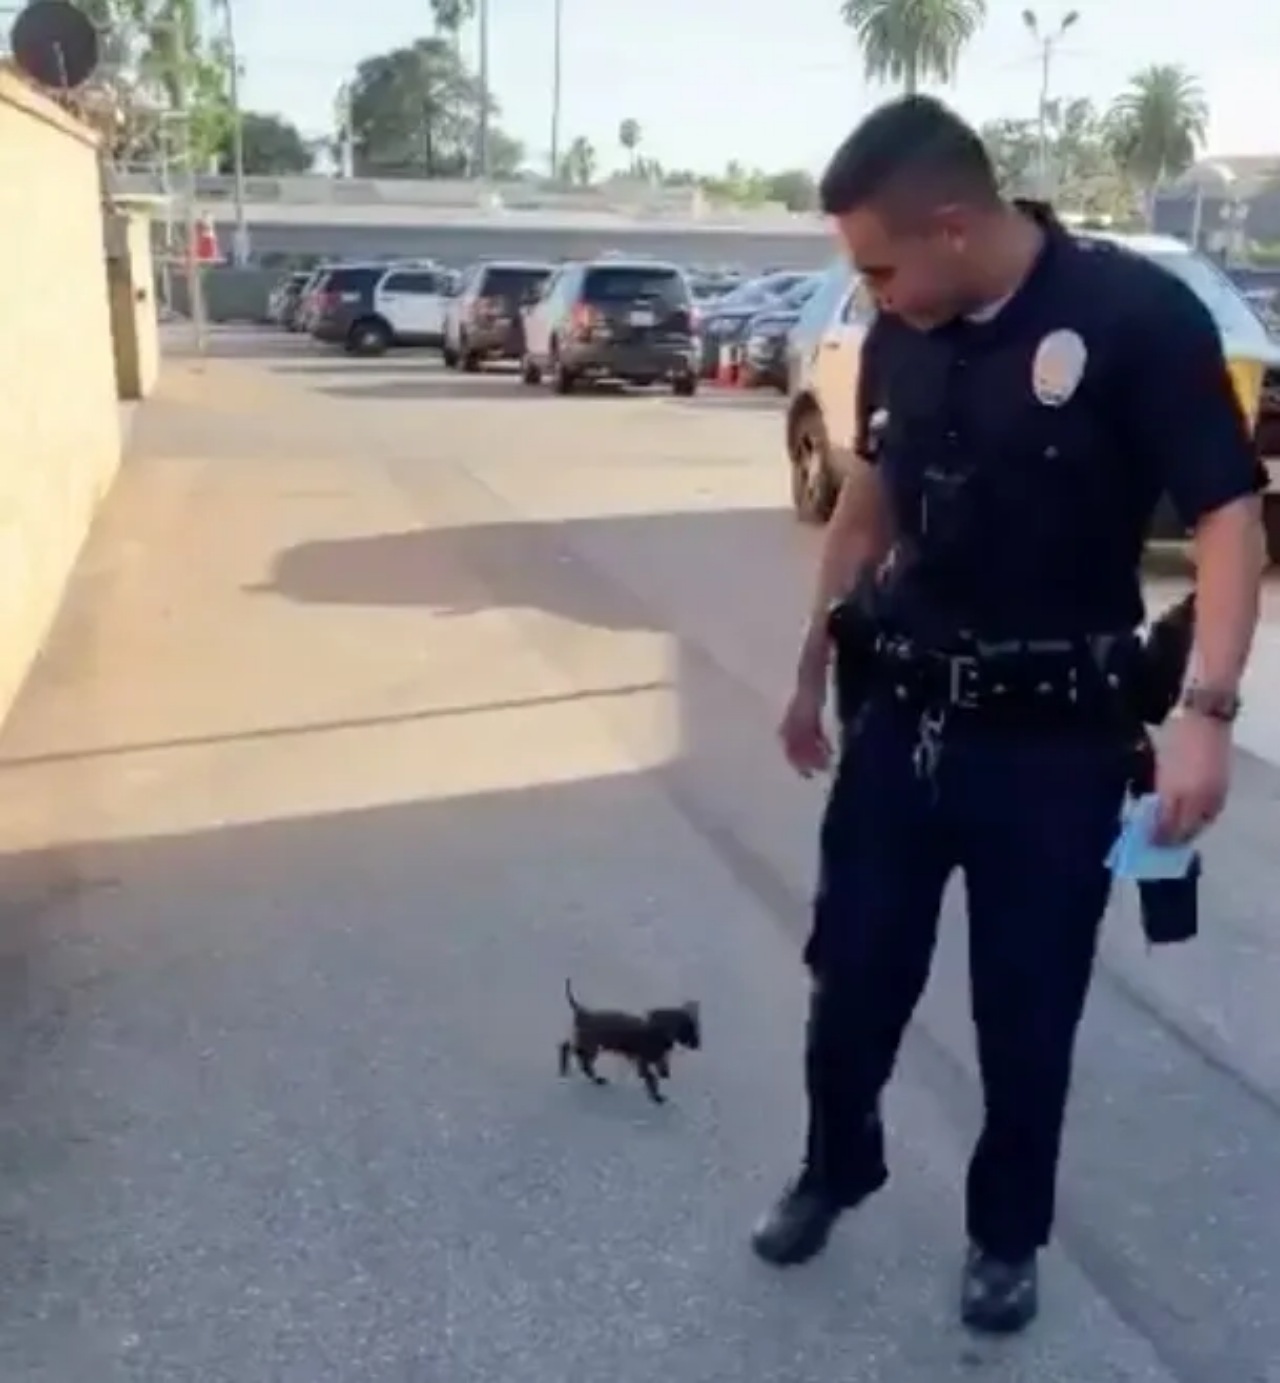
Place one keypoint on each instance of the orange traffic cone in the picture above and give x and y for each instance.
(727, 370)
(206, 242)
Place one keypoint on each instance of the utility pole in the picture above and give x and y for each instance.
(241, 248)
(483, 151)
(182, 114)
(1047, 42)
(346, 136)
(557, 55)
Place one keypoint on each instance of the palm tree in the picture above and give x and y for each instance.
(912, 41)
(629, 136)
(451, 17)
(1156, 125)
(579, 163)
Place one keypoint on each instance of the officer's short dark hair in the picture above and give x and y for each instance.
(909, 156)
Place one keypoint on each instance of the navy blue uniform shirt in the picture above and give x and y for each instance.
(1024, 455)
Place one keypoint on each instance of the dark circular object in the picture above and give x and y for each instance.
(54, 43)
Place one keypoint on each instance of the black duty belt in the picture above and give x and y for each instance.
(1054, 676)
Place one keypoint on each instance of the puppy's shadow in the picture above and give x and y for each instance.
(624, 1103)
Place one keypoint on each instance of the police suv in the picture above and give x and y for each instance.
(370, 308)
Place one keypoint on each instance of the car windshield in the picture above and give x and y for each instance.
(617, 284)
(800, 294)
(1236, 319)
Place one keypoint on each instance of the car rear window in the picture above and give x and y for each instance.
(421, 281)
(511, 282)
(350, 279)
(616, 284)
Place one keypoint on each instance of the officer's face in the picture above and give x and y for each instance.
(916, 269)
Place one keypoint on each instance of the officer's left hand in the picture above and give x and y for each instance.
(1192, 776)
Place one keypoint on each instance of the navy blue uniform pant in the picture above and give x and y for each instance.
(1028, 818)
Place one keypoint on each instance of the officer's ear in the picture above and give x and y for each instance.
(952, 226)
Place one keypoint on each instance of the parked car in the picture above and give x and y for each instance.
(371, 308)
(725, 321)
(803, 338)
(766, 335)
(484, 321)
(629, 320)
(820, 415)
(298, 311)
(283, 297)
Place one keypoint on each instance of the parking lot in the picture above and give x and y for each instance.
(454, 688)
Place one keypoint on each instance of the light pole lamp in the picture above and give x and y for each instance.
(1047, 41)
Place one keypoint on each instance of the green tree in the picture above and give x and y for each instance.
(415, 112)
(1012, 146)
(629, 136)
(157, 60)
(908, 42)
(273, 147)
(578, 166)
(1157, 124)
(506, 154)
(793, 187)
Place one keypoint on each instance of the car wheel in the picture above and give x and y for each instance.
(684, 386)
(529, 371)
(450, 357)
(370, 337)
(470, 362)
(814, 486)
(562, 379)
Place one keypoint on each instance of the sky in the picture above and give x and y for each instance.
(770, 85)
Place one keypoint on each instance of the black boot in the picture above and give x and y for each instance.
(797, 1228)
(997, 1297)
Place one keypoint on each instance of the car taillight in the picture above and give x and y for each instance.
(584, 319)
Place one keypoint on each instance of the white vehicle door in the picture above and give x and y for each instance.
(413, 301)
(836, 369)
(537, 319)
(456, 306)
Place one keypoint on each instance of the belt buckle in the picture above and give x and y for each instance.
(962, 682)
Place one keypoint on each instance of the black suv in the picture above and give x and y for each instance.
(484, 321)
(629, 320)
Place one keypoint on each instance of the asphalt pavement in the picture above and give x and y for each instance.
(384, 700)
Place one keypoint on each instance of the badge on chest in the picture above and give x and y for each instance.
(1058, 367)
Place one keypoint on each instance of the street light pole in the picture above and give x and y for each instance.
(1047, 42)
(483, 151)
(241, 248)
(556, 63)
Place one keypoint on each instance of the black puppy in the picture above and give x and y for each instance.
(646, 1040)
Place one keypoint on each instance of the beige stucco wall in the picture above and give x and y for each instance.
(59, 417)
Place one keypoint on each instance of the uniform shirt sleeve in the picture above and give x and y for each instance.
(1181, 407)
(869, 395)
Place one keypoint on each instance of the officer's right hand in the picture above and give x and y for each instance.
(804, 740)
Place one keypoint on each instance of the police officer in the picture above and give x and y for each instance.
(1033, 396)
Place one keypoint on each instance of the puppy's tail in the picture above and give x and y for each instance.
(568, 994)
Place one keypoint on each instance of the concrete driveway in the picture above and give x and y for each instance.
(386, 699)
